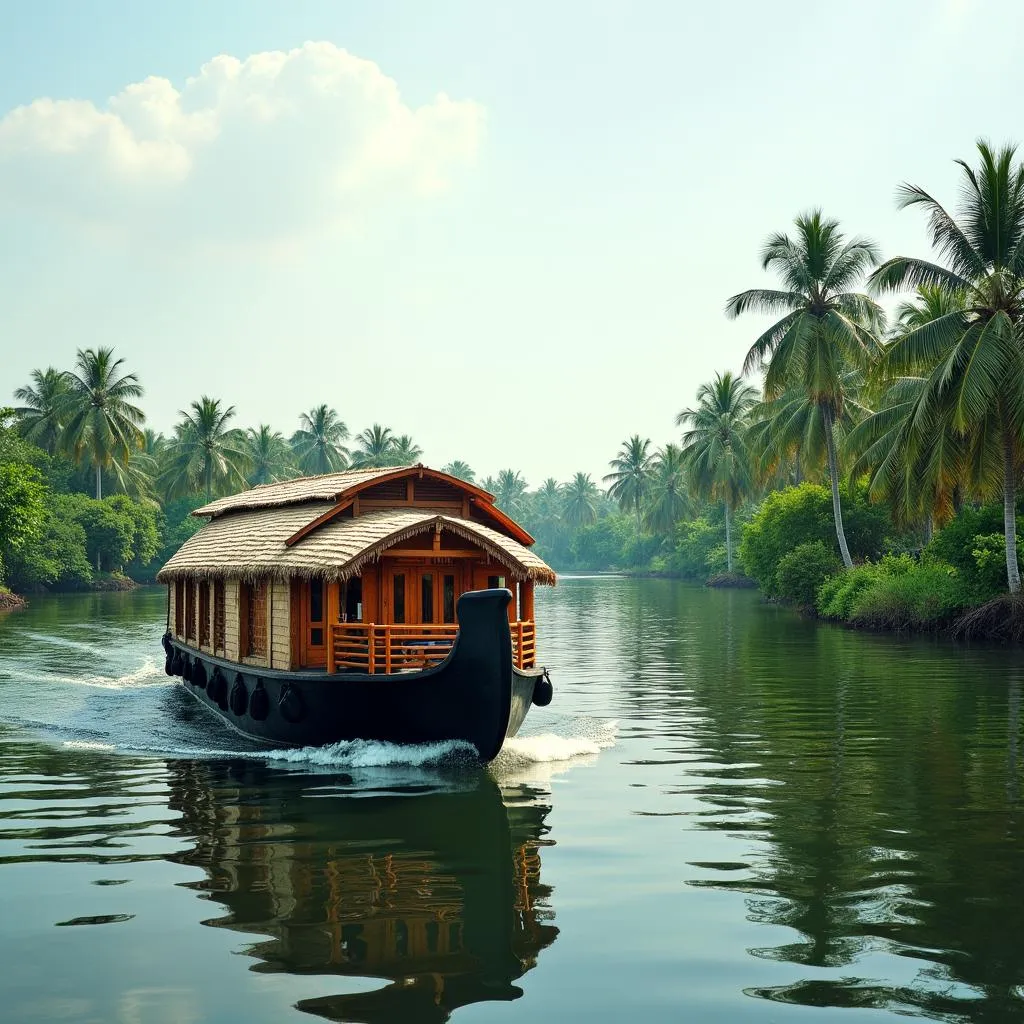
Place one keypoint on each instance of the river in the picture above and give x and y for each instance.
(728, 813)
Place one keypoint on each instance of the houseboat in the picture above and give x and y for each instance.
(390, 604)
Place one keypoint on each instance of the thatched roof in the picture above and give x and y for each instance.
(327, 487)
(251, 544)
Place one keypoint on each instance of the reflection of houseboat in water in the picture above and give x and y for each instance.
(437, 892)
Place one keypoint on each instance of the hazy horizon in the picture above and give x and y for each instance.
(507, 232)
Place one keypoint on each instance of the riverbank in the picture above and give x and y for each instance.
(9, 600)
(105, 583)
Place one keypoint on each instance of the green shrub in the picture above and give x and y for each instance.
(695, 553)
(801, 572)
(973, 543)
(838, 594)
(928, 595)
(801, 515)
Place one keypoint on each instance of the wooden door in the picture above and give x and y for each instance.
(313, 623)
(419, 593)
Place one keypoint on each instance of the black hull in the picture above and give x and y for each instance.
(476, 694)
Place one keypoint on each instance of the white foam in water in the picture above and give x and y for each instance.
(543, 753)
(373, 754)
(145, 675)
(88, 745)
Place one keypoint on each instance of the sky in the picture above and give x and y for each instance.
(509, 230)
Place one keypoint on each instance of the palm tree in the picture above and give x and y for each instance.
(509, 490)
(668, 498)
(548, 501)
(319, 442)
(787, 434)
(374, 446)
(919, 474)
(930, 303)
(137, 477)
(972, 358)
(41, 418)
(826, 330)
(922, 474)
(632, 471)
(102, 423)
(715, 447)
(405, 451)
(268, 454)
(490, 485)
(459, 469)
(580, 497)
(204, 452)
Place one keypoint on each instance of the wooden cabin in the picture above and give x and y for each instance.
(358, 571)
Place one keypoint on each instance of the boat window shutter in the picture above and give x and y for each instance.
(204, 613)
(244, 595)
(256, 620)
(190, 609)
(448, 597)
(219, 616)
(179, 608)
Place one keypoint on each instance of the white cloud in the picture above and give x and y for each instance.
(259, 149)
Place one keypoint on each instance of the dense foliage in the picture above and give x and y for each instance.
(802, 515)
(873, 477)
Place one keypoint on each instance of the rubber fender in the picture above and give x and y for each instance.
(291, 704)
(169, 663)
(543, 691)
(259, 703)
(217, 689)
(177, 664)
(239, 700)
(165, 641)
(186, 669)
(198, 674)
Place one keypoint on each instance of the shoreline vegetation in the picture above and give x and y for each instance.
(870, 479)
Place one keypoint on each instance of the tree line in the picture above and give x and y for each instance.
(919, 416)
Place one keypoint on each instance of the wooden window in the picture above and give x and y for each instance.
(219, 615)
(316, 613)
(190, 610)
(253, 619)
(204, 614)
(427, 597)
(398, 593)
(448, 597)
(179, 607)
(350, 600)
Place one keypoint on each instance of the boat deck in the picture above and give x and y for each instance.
(392, 647)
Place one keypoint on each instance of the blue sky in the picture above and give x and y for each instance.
(522, 276)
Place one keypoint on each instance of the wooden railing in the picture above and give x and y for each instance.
(371, 647)
(524, 644)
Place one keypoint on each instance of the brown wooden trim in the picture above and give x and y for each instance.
(430, 553)
(477, 496)
(518, 533)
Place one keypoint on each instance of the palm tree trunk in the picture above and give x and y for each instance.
(833, 472)
(1010, 512)
(99, 483)
(728, 537)
(209, 480)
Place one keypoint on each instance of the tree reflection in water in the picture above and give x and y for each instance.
(434, 888)
(883, 816)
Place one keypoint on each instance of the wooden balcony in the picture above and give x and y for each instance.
(371, 647)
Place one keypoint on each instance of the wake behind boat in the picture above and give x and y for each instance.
(383, 604)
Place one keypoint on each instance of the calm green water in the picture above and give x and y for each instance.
(727, 814)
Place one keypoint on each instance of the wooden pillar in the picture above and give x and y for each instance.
(526, 600)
